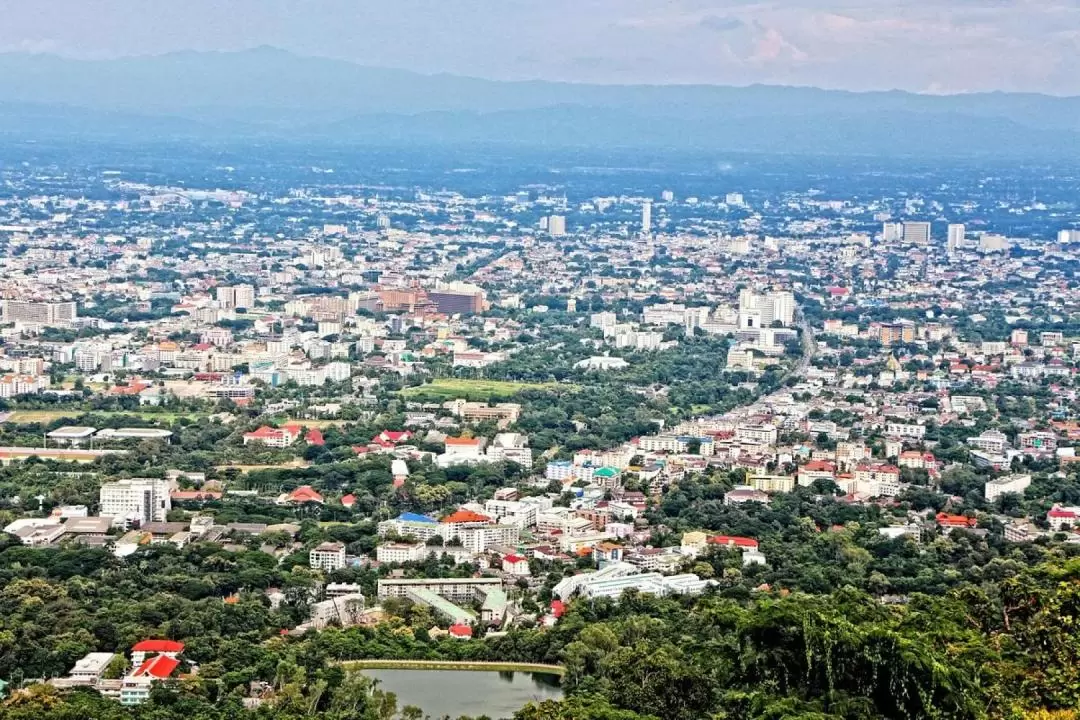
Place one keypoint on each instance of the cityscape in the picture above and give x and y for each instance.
(295, 428)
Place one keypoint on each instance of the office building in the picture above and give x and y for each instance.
(646, 218)
(955, 238)
(135, 501)
(40, 313)
(556, 226)
(235, 296)
(917, 233)
(891, 232)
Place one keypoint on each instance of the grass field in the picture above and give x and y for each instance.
(42, 416)
(481, 390)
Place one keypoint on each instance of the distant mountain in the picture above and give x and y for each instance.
(268, 92)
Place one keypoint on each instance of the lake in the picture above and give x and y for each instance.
(497, 695)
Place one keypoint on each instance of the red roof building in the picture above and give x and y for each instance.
(314, 437)
(142, 651)
(465, 516)
(302, 494)
(393, 436)
(158, 667)
(946, 520)
(460, 631)
(743, 543)
(349, 500)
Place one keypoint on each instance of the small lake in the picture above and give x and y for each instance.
(497, 695)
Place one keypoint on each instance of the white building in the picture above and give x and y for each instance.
(137, 500)
(513, 447)
(1008, 484)
(401, 552)
(328, 556)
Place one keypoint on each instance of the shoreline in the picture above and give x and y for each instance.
(373, 664)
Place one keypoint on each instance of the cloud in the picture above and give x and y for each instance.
(720, 24)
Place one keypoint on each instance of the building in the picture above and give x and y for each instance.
(149, 648)
(135, 501)
(135, 688)
(956, 235)
(1009, 484)
(1038, 443)
(992, 442)
(646, 218)
(235, 296)
(55, 314)
(90, 668)
(512, 447)
(1061, 518)
(342, 610)
(328, 556)
(917, 233)
(273, 437)
(556, 225)
(401, 552)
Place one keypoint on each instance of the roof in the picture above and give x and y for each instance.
(462, 631)
(314, 437)
(158, 646)
(415, 517)
(514, 559)
(305, 493)
(742, 542)
(462, 442)
(348, 500)
(466, 516)
(159, 666)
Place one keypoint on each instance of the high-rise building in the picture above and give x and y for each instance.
(40, 313)
(917, 233)
(235, 296)
(667, 196)
(646, 218)
(1068, 236)
(138, 500)
(955, 238)
(761, 311)
(556, 225)
(891, 232)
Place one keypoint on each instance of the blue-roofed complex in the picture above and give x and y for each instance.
(416, 517)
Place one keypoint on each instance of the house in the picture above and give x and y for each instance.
(348, 501)
(301, 495)
(516, 565)
(273, 437)
(314, 436)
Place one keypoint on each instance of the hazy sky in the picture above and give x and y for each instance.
(920, 45)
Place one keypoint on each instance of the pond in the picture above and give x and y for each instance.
(473, 693)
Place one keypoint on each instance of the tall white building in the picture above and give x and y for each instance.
(955, 240)
(236, 296)
(138, 500)
(761, 311)
(646, 218)
(39, 313)
(556, 225)
(328, 556)
(917, 233)
(891, 232)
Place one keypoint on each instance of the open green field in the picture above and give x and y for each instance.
(48, 416)
(42, 416)
(478, 390)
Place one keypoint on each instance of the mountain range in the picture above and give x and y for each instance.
(269, 93)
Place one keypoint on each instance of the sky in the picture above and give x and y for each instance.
(930, 46)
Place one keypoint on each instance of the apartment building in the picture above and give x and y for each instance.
(135, 501)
